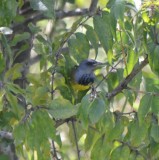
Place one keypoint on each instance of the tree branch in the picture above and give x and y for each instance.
(124, 83)
(93, 7)
(36, 16)
(76, 12)
(6, 135)
(9, 151)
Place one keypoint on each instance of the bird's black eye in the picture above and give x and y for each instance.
(90, 63)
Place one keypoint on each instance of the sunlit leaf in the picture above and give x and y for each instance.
(6, 30)
(131, 61)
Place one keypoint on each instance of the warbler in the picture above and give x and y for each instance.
(83, 75)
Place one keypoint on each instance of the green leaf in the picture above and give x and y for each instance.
(91, 138)
(79, 47)
(15, 89)
(118, 9)
(131, 61)
(8, 10)
(103, 30)
(153, 59)
(84, 110)
(155, 104)
(116, 153)
(154, 149)
(40, 96)
(65, 92)
(144, 107)
(45, 6)
(62, 109)
(125, 152)
(155, 132)
(13, 102)
(20, 37)
(23, 48)
(106, 124)
(120, 153)
(7, 50)
(112, 81)
(132, 156)
(139, 157)
(34, 29)
(34, 78)
(14, 72)
(102, 148)
(19, 134)
(41, 39)
(2, 63)
(41, 125)
(96, 110)
(116, 132)
(138, 137)
(92, 37)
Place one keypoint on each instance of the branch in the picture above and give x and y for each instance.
(29, 111)
(76, 12)
(35, 17)
(93, 7)
(9, 151)
(6, 135)
(124, 83)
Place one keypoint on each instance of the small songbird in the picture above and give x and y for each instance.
(83, 75)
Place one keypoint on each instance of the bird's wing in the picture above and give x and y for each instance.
(86, 79)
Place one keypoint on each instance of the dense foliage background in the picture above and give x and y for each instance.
(42, 117)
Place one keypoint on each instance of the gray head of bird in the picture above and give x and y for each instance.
(90, 65)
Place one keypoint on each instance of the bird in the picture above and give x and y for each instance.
(83, 75)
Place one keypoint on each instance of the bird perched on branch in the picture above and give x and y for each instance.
(83, 75)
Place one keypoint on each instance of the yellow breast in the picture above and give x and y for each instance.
(80, 87)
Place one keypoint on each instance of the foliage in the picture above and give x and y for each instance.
(117, 119)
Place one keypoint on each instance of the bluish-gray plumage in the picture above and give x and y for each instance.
(84, 74)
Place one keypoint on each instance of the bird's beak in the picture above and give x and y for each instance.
(99, 65)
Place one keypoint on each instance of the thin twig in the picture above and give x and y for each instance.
(106, 76)
(54, 152)
(76, 140)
